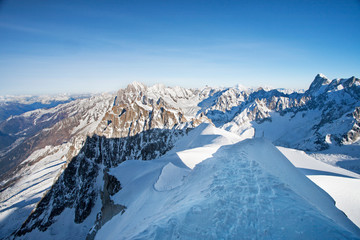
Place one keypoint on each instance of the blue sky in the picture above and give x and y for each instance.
(94, 46)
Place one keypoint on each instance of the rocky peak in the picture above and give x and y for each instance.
(317, 86)
(136, 87)
(351, 82)
(134, 91)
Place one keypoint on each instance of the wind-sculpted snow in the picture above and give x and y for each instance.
(171, 177)
(247, 190)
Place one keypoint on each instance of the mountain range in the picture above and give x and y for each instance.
(170, 162)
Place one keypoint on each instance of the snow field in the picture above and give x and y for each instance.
(342, 185)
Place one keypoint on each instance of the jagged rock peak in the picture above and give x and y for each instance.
(319, 81)
(320, 75)
(134, 91)
(136, 86)
(351, 81)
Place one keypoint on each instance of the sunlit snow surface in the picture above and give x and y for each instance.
(16, 203)
(245, 190)
(342, 185)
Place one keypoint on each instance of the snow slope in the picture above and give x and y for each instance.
(244, 190)
(202, 143)
(345, 191)
(342, 185)
(37, 173)
(17, 202)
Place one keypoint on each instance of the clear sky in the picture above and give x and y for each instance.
(92, 46)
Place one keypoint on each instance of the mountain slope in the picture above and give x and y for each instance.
(45, 154)
(245, 190)
(342, 185)
(34, 130)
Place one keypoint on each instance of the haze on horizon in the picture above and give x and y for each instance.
(94, 46)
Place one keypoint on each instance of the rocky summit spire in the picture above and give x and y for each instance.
(319, 81)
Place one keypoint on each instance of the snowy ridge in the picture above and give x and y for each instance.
(202, 143)
(239, 192)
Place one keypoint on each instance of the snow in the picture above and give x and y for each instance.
(42, 167)
(336, 155)
(289, 129)
(138, 85)
(94, 115)
(340, 87)
(342, 185)
(64, 227)
(345, 191)
(18, 201)
(311, 166)
(328, 138)
(43, 99)
(322, 75)
(244, 190)
(210, 178)
(202, 143)
(195, 156)
(278, 128)
(171, 177)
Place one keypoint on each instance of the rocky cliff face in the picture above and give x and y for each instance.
(80, 186)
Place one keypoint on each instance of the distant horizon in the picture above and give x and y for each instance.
(92, 46)
(150, 85)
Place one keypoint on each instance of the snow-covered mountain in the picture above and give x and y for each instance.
(14, 127)
(75, 163)
(12, 105)
(39, 128)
